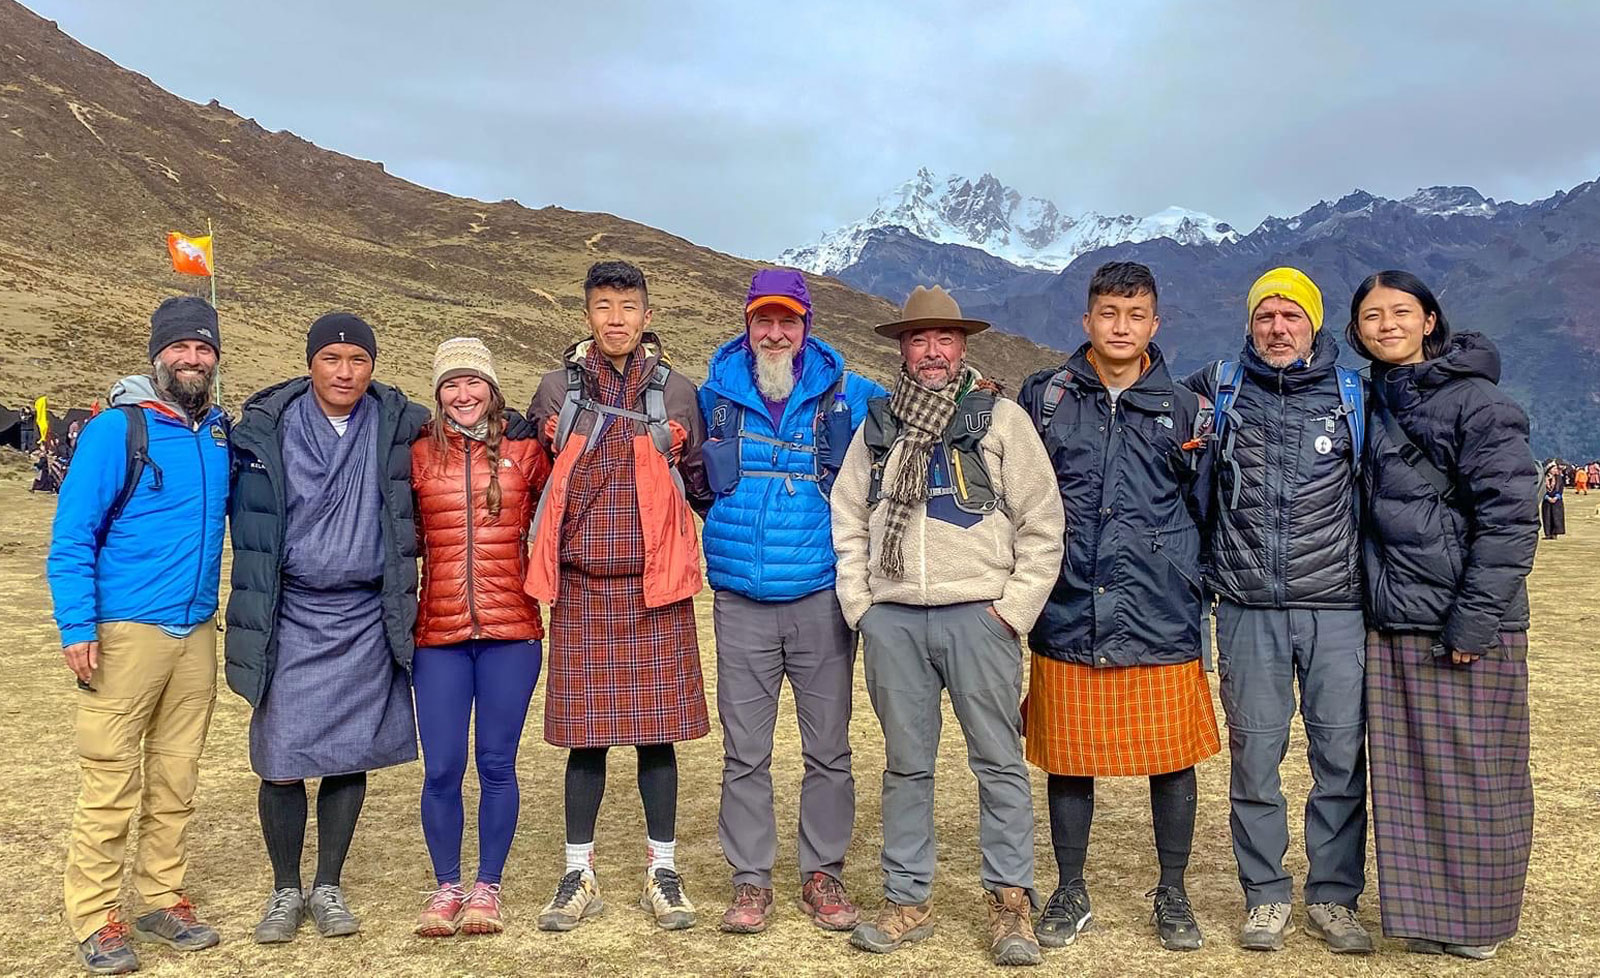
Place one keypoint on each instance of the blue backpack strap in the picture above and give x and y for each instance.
(1227, 374)
(1353, 405)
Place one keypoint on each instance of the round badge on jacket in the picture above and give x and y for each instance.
(1323, 444)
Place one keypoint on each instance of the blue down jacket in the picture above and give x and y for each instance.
(771, 539)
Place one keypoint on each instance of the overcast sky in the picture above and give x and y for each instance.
(753, 126)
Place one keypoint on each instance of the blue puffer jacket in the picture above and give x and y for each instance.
(771, 539)
(160, 561)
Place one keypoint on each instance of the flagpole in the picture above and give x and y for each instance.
(216, 382)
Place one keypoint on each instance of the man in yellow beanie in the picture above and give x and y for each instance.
(1285, 556)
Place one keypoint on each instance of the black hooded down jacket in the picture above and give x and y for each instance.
(1129, 589)
(1290, 538)
(1456, 566)
(256, 514)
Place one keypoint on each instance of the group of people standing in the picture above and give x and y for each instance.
(1368, 543)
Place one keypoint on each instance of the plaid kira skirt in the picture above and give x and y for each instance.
(1452, 797)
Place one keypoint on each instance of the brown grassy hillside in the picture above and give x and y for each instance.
(97, 163)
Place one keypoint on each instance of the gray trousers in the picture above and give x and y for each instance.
(1261, 653)
(758, 644)
(911, 654)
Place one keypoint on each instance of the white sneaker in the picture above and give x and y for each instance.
(577, 896)
(1266, 926)
(664, 899)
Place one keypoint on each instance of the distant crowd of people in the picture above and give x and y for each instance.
(1366, 542)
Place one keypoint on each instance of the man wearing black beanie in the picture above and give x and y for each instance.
(323, 607)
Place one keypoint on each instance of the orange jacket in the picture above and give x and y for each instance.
(672, 569)
(472, 569)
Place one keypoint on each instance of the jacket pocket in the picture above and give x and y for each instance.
(1180, 547)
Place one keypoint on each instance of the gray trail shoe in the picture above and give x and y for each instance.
(106, 951)
(330, 913)
(284, 911)
(1266, 926)
(1337, 926)
(178, 927)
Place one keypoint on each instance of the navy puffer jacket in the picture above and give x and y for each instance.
(1456, 566)
(1129, 589)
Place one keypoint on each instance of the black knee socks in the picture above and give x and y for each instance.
(1071, 813)
(658, 787)
(1172, 807)
(282, 808)
(339, 801)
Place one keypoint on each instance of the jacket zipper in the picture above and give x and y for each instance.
(204, 491)
(472, 510)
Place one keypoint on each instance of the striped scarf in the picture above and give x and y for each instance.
(923, 415)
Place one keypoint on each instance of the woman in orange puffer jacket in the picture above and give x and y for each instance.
(478, 634)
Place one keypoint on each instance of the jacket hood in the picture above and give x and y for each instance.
(1298, 375)
(649, 344)
(1469, 355)
(785, 283)
(730, 372)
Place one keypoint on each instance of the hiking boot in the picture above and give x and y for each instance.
(824, 901)
(664, 899)
(330, 913)
(439, 917)
(1066, 915)
(1011, 926)
(748, 912)
(1265, 927)
(895, 926)
(285, 909)
(1337, 926)
(577, 896)
(177, 927)
(1174, 921)
(481, 913)
(106, 951)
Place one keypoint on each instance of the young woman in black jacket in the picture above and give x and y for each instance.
(1450, 521)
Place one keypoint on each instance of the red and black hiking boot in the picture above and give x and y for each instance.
(824, 901)
(748, 914)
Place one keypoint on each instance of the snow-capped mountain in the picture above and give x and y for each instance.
(987, 215)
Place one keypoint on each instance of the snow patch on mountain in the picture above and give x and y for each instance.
(988, 215)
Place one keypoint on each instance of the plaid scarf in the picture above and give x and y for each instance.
(923, 415)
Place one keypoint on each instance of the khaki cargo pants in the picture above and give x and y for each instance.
(139, 740)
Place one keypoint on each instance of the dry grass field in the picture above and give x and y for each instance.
(388, 874)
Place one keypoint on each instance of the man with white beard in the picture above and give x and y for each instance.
(780, 410)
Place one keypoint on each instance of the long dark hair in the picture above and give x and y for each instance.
(1433, 345)
(495, 414)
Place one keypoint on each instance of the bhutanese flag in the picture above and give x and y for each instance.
(190, 256)
(41, 417)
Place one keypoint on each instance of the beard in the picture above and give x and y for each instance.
(951, 372)
(1281, 361)
(193, 394)
(775, 372)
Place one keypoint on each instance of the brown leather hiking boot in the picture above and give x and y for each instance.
(895, 926)
(1012, 930)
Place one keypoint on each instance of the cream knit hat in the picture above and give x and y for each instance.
(463, 356)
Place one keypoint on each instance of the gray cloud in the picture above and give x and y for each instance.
(752, 127)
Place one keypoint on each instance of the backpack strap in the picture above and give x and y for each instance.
(653, 416)
(137, 444)
(1054, 390)
(1227, 375)
(1353, 405)
(571, 404)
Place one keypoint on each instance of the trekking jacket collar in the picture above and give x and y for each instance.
(140, 390)
(1402, 387)
(731, 372)
(1298, 376)
(1154, 380)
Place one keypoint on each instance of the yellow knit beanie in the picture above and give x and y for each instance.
(1288, 283)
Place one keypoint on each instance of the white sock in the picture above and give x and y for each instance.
(661, 855)
(581, 857)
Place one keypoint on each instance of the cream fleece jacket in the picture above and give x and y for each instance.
(1010, 557)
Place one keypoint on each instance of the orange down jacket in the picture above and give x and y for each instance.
(473, 569)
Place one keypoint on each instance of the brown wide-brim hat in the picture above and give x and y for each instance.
(930, 309)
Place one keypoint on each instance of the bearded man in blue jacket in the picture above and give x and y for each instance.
(135, 558)
(780, 411)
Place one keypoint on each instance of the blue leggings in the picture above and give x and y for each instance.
(500, 677)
